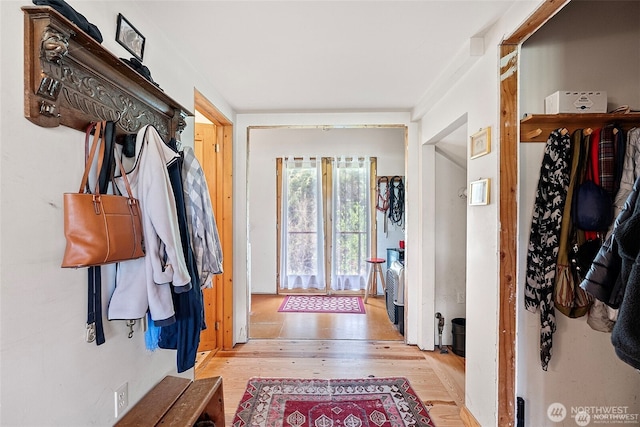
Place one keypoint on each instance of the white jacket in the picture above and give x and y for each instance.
(630, 169)
(145, 283)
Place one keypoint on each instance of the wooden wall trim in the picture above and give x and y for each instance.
(508, 233)
(227, 238)
(467, 418)
(222, 197)
(209, 110)
(509, 140)
(541, 15)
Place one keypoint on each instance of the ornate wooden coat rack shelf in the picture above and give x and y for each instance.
(70, 79)
(537, 127)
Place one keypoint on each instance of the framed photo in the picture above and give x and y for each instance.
(129, 37)
(480, 143)
(479, 192)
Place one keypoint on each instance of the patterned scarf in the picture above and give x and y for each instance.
(543, 248)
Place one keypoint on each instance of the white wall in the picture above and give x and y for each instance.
(584, 370)
(49, 374)
(265, 145)
(450, 243)
(476, 96)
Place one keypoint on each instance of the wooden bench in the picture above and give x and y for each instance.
(178, 402)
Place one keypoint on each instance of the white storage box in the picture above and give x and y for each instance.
(569, 101)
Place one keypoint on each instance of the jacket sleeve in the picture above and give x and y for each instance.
(630, 170)
(169, 264)
(202, 223)
(600, 280)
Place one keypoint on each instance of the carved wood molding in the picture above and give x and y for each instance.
(71, 80)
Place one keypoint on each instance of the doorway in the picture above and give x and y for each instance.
(451, 232)
(213, 149)
(265, 146)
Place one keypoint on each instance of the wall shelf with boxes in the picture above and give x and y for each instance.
(537, 127)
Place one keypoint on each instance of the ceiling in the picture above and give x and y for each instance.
(300, 56)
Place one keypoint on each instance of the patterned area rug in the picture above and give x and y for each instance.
(368, 402)
(322, 304)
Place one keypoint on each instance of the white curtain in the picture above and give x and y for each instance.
(351, 214)
(302, 253)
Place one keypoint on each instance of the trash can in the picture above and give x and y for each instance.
(457, 329)
(399, 316)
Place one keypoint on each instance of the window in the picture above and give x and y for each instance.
(325, 223)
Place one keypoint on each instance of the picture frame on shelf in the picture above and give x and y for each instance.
(479, 192)
(130, 38)
(480, 143)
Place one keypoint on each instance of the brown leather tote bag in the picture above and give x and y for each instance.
(101, 228)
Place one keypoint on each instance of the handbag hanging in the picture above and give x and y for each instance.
(592, 208)
(101, 228)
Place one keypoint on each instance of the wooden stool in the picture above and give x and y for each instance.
(375, 266)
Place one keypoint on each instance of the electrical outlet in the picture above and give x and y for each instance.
(121, 396)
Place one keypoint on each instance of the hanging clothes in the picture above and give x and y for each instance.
(593, 171)
(569, 298)
(625, 336)
(543, 241)
(602, 280)
(630, 169)
(145, 283)
(601, 316)
(201, 221)
(184, 334)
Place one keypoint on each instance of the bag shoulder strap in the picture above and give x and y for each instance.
(123, 175)
(97, 135)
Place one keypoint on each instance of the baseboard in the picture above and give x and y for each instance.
(202, 358)
(467, 418)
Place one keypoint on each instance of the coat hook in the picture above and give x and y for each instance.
(533, 134)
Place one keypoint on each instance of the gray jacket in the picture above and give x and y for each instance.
(603, 278)
(625, 336)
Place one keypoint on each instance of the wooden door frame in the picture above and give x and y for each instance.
(509, 168)
(223, 192)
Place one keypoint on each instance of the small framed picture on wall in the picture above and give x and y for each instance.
(480, 143)
(479, 192)
(129, 37)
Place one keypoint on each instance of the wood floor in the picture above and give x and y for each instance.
(296, 352)
(266, 322)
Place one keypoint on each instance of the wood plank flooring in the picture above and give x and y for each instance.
(437, 378)
(267, 322)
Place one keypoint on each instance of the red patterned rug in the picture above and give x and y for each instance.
(322, 304)
(367, 402)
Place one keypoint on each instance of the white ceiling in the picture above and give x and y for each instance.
(299, 55)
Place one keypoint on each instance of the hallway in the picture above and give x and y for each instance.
(438, 379)
(266, 322)
(313, 345)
